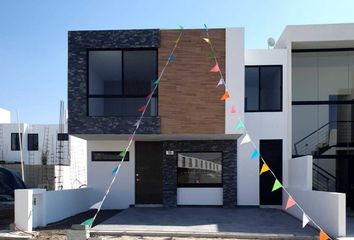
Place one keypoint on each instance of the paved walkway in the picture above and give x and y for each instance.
(350, 226)
(218, 221)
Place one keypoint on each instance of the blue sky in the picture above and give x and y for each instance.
(33, 36)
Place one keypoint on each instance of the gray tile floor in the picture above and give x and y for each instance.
(350, 226)
(206, 220)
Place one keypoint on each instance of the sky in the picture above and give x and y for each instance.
(33, 36)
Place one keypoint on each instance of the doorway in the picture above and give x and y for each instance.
(148, 172)
(272, 152)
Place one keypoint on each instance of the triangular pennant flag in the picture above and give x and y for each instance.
(211, 54)
(122, 154)
(323, 235)
(137, 124)
(206, 40)
(225, 96)
(233, 109)
(87, 222)
(240, 125)
(181, 27)
(291, 202)
(115, 169)
(142, 108)
(305, 220)
(264, 169)
(221, 82)
(246, 139)
(255, 154)
(157, 81)
(96, 205)
(150, 95)
(171, 57)
(276, 185)
(205, 27)
(215, 68)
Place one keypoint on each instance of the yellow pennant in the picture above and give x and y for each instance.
(264, 169)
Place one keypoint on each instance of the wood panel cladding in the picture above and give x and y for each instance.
(189, 101)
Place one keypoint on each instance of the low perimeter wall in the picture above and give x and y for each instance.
(327, 209)
(38, 207)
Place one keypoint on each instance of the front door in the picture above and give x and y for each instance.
(272, 152)
(148, 172)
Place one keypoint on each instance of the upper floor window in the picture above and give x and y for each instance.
(263, 88)
(15, 143)
(120, 80)
(32, 142)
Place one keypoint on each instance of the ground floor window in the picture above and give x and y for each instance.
(204, 169)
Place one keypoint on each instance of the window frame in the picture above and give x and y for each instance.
(104, 96)
(28, 141)
(19, 147)
(201, 185)
(259, 88)
(126, 159)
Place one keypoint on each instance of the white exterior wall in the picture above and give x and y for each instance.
(262, 125)
(8, 154)
(99, 175)
(235, 78)
(5, 116)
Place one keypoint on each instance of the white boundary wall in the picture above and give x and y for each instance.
(327, 209)
(5, 116)
(38, 207)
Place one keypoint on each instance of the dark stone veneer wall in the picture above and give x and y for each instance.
(79, 42)
(169, 168)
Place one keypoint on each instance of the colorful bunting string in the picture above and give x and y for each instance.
(277, 185)
(142, 109)
(225, 96)
(221, 82)
(246, 139)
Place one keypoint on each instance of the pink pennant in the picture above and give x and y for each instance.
(215, 68)
(150, 95)
(130, 138)
(291, 202)
(233, 109)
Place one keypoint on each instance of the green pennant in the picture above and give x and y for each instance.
(122, 154)
(157, 81)
(240, 125)
(88, 222)
(276, 185)
(181, 27)
(211, 54)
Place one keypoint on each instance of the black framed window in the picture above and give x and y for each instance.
(108, 156)
(204, 169)
(263, 88)
(15, 143)
(120, 80)
(32, 142)
(63, 137)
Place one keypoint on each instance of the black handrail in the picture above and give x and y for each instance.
(325, 171)
(315, 131)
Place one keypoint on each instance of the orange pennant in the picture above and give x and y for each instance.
(323, 235)
(291, 202)
(225, 96)
(142, 108)
(215, 68)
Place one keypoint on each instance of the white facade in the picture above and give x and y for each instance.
(5, 116)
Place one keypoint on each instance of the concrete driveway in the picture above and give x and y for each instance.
(203, 221)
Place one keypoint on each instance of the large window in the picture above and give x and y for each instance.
(263, 88)
(32, 142)
(120, 80)
(199, 169)
(15, 143)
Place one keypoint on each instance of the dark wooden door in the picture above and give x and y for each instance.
(148, 172)
(350, 195)
(272, 152)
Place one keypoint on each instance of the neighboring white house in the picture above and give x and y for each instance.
(47, 160)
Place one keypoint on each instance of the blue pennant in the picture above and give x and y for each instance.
(171, 57)
(255, 154)
(205, 27)
(115, 170)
